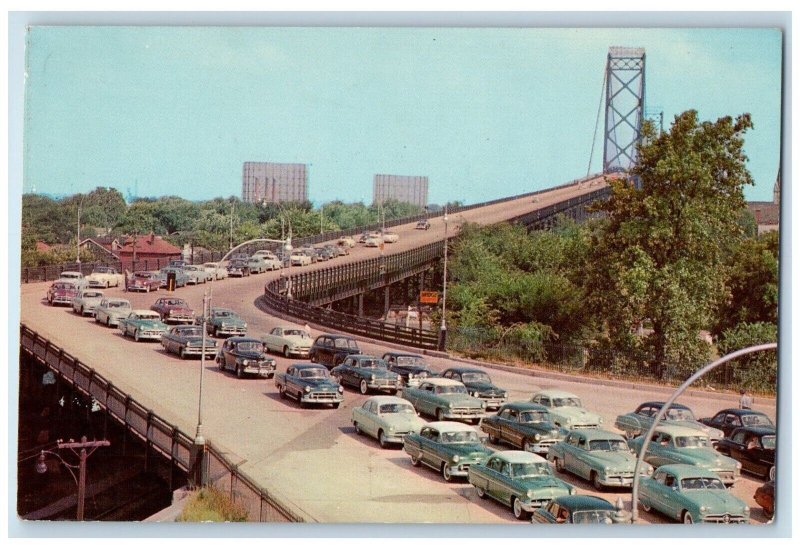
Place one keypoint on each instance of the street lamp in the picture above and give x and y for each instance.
(288, 248)
(199, 439)
(83, 455)
(443, 327)
(80, 205)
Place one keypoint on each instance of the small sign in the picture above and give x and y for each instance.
(429, 297)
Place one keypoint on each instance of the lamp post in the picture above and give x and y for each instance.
(78, 257)
(83, 455)
(288, 248)
(199, 439)
(443, 327)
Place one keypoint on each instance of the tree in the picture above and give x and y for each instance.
(659, 256)
(756, 371)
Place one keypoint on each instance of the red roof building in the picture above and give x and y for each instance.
(152, 252)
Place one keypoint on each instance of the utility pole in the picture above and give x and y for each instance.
(83, 455)
(80, 205)
(443, 327)
(199, 439)
(230, 247)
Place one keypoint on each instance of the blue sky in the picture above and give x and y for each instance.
(484, 113)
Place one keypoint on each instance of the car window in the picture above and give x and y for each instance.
(396, 408)
(692, 442)
(522, 470)
(660, 477)
(669, 480)
(680, 414)
(608, 445)
(567, 401)
(505, 414)
(738, 438)
(460, 437)
(475, 377)
(702, 483)
(533, 416)
(451, 390)
(718, 418)
(756, 419)
(768, 442)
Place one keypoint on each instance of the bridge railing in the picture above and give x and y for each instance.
(157, 433)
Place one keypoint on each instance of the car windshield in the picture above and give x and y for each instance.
(314, 373)
(520, 470)
(680, 414)
(768, 442)
(755, 419)
(396, 408)
(101, 270)
(301, 333)
(702, 483)
(249, 346)
(409, 360)
(605, 516)
(573, 402)
(451, 390)
(190, 332)
(533, 417)
(371, 363)
(210, 265)
(92, 294)
(176, 302)
(344, 343)
(70, 275)
(460, 437)
(610, 445)
(143, 275)
(223, 313)
(149, 316)
(475, 377)
(692, 442)
(118, 305)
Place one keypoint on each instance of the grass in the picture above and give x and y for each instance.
(212, 505)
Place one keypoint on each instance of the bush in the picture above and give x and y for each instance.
(212, 505)
(757, 372)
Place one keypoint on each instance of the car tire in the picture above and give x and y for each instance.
(239, 372)
(382, 439)
(519, 512)
(646, 506)
(363, 387)
(282, 392)
(686, 518)
(312, 357)
(97, 320)
(136, 335)
(481, 492)
(439, 414)
(595, 478)
(336, 405)
(182, 353)
(493, 439)
(221, 364)
(771, 473)
(558, 465)
(81, 310)
(446, 473)
(286, 351)
(357, 428)
(416, 460)
(108, 322)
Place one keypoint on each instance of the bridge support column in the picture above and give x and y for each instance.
(360, 304)
(406, 297)
(386, 300)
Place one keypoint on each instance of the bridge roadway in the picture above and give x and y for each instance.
(312, 457)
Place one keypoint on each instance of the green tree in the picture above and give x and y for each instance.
(755, 371)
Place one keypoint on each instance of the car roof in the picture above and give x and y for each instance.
(373, 357)
(584, 502)
(240, 339)
(683, 471)
(305, 365)
(740, 412)
(336, 335)
(144, 311)
(661, 404)
(519, 456)
(119, 300)
(594, 434)
(680, 430)
(218, 309)
(71, 273)
(386, 399)
(463, 369)
(442, 382)
(759, 430)
(523, 405)
(450, 426)
(556, 393)
(397, 353)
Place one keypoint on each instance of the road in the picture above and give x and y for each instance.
(313, 456)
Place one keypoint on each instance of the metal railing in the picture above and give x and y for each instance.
(160, 435)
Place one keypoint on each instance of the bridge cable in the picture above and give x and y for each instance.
(596, 123)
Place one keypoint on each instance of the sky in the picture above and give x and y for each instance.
(484, 113)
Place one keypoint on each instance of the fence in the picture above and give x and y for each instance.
(158, 434)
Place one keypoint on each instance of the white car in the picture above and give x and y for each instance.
(73, 277)
(86, 301)
(269, 259)
(105, 277)
(390, 238)
(196, 274)
(288, 340)
(300, 259)
(216, 270)
(111, 311)
(346, 241)
(373, 242)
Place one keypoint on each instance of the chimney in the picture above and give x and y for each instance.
(758, 216)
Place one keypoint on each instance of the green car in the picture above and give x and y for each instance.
(446, 446)
(523, 481)
(367, 373)
(567, 410)
(445, 399)
(142, 324)
(224, 322)
(690, 494)
(601, 457)
(688, 446)
(387, 418)
(524, 425)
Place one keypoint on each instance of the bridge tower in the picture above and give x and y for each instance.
(624, 107)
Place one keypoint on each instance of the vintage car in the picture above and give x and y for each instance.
(581, 509)
(180, 277)
(367, 373)
(288, 340)
(196, 274)
(245, 356)
(691, 494)
(104, 277)
(346, 241)
(411, 367)
(390, 237)
(373, 242)
(143, 281)
(309, 384)
(446, 446)
(387, 418)
(479, 385)
(238, 268)
(423, 225)
(518, 479)
(524, 425)
(187, 341)
(753, 447)
(216, 270)
(224, 322)
(177, 263)
(86, 301)
(638, 422)
(269, 259)
(61, 293)
(366, 235)
(765, 497)
(142, 324)
(75, 277)
(566, 410)
(173, 310)
(300, 258)
(111, 310)
(601, 457)
(445, 399)
(257, 265)
(323, 254)
(686, 445)
(732, 418)
(332, 349)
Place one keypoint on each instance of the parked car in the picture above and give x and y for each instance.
(61, 293)
(639, 421)
(347, 242)
(445, 399)
(309, 384)
(732, 418)
(686, 445)
(479, 385)
(411, 367)
(222, 322)
(142, 324)
(386, 418)
(567, 410)
(257, 265)
(581, 509)
(143, 281)
(173, 310)
(270, 260)
(196, 274)
(104, 277)
(238, 268)
(373, 242)
(765, 497)
(520, 480)
(322, 253)
(311, 252)
(390, 237)
(753, 447)
(300, 259)
(216, 270)
(448, 447)
(86, 301)
(264, 254)
(601, 457)
(331, 349)
(177, 263)
(245, 356)
(111, 310)
(524, 425)
(75, 277)
(691, 494)
(187, 341)
(423, 225)
(180, 277)
(288, 340)
(367, 373)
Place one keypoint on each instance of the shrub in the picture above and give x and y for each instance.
(212, 505)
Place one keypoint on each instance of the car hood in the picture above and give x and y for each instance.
(695, 425)
(484, 387)
(150, 323)
(707, 457)
(250, 355)
(471, 451)
(235, 321)
(118, 313)
(404, 421)
(615, 459)
(298, 340)
(411, 368)
(198, 340)
(460, 398)
(544, 486)
(321, 384)
(576, 414)
(377, 372)
(716, 501)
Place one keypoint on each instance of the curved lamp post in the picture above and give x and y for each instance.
(288, 248)
(694, 377)
(443, 327)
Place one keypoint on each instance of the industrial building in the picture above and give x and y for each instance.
(274, 182)
(404, 188)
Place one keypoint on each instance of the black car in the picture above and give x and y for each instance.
(524, 425)
(423, 225)
(753, 447)
(245, 356)
(580, 509)
(479, 385)
(238, 268)
(332, 349)
(411, 367)
(731, 418)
